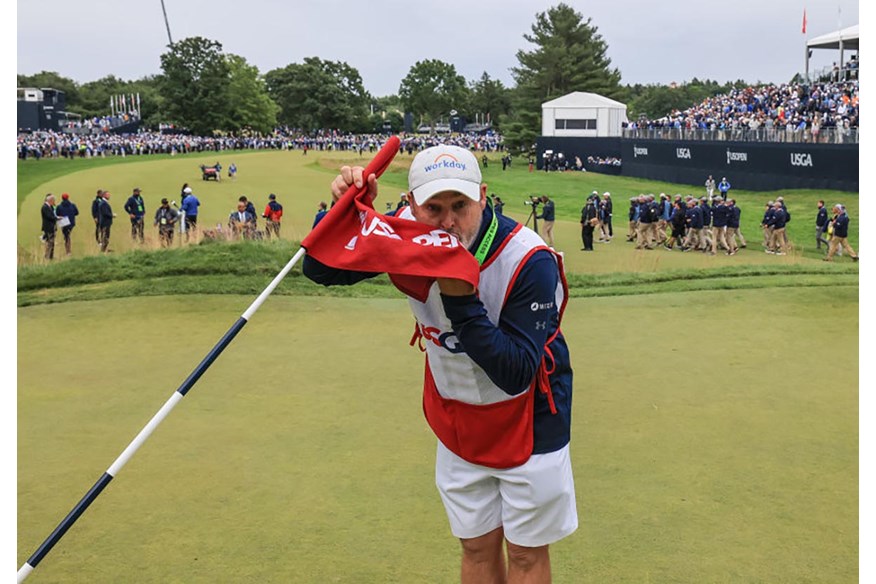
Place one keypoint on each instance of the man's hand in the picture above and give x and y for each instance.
(454, 287)
(350, 176)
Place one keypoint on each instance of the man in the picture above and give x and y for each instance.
(165, 219)
(694, 222)
(765, 224)
(67, 209)
(710, 187)
(776, 223)
(104, 221)
(720, 219)
(136, 209)
(506, 327)
(787, 219)
(677, 221)
(589, 220)
(643, 231)
(232, 171)
(95, 208)
(840, 234)
(250, 208)
(402, 201)
(272, 215)
(320, 213)
(821, 222)
(241, 222)
(548, 216)
(498, 204)
(190, 206)
(49, 225)
(633, 219)
(606, 209)
(733, 216)
(706, 235)
(724, 187)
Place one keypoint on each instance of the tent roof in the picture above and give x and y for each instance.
(583, 99)
(831, 39)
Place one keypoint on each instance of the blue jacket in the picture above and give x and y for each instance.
(134, 206)
(695, 217)
(777, 219)
(510, 352)
(733, 219)
(190, 206)
(720, 215)
(547, 212)
(841, 226)
(67, 209)
(724, 185)
(707, 214)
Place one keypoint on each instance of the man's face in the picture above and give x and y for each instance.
(241, 206)
(453, 212)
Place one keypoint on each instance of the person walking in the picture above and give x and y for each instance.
(821, 222)
(776, 223)
(502, 488)
(49, 225)
(724, 187)
(165, 219)
(272, 215)
(136, 209)
(95, 209)
(67, 211)
(839, 239)
(710, 188)
(105, 217)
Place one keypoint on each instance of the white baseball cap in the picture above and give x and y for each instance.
(187, 190)
(444, 168)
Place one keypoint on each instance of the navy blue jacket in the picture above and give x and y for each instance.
(695, 217)
(135, 206)
(821, 218)
(547, 212)
(69, 210)
(841, 226)
(733, 218)
(510, 353)
(720, 215)
(777, 219)
(104, 214)
(707, 214)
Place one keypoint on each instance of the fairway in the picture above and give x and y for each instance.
(714, 439)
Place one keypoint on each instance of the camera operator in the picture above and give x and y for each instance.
(547, 215)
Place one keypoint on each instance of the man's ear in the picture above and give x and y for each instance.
(483, 200)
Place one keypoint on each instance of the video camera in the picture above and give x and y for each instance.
(533, 201)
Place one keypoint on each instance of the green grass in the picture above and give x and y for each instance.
(708, 444)
(714, 427)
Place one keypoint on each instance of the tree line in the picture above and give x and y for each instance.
(205, 90)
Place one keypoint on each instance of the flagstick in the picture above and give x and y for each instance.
(147, 430)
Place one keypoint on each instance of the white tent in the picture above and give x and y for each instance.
(581, 114)
(843, 39)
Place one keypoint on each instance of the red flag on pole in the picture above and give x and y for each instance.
(353, 236)
(804, 21)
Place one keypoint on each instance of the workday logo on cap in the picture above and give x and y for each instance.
(444, 168)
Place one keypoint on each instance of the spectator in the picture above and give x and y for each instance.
(839, 239)
(136, 209)
(67, 211)
(242, 222)
(272, 215)
(322, 209)
(165, 219)
(50, 225)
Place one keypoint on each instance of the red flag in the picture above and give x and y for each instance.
(804, 21)
(353, 236)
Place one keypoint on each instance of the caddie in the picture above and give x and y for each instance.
(497, 389)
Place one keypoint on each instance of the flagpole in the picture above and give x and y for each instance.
(150, 427)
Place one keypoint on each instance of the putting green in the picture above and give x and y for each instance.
(714, 440)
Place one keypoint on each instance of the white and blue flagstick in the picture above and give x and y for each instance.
(144, 434)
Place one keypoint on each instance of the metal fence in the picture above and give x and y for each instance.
(831, 135)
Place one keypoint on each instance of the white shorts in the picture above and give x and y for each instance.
(534, 502)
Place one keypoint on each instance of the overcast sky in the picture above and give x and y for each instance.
(648, 41)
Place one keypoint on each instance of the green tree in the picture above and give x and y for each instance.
(195, 85)
(251, 106)
(320, 94)
(433, 88)
(569, 55)
(489, 96)
(53, 80)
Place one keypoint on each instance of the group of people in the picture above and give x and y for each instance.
(60, 144)
(242, 223)
(751, 112)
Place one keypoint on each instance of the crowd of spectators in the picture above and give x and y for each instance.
(100, 123)
(54, 144)
(819, 112)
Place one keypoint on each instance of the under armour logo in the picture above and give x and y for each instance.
(541, 325)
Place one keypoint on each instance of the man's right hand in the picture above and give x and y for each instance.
(350, 176)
